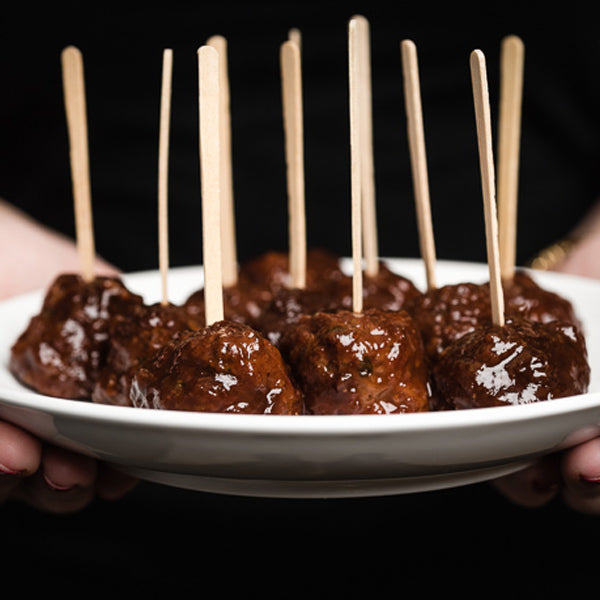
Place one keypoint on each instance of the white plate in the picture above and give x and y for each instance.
(310, 456)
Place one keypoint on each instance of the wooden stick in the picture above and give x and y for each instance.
(294, 153)
(486, 159)
(294, 35)
(210, 168)
(509, 137)
(355, 164)
(230, 266)
(163, 172)
(418, 158)
(370, 241)
(75, 108)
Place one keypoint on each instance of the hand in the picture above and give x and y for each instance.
(52, 479)
(46, 477)
(574, 473)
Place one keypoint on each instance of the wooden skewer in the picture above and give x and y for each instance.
(294, 35)
(294, 152)
(370, 241)
(509, 137)
(230, 266)
(210, 168)
(355, 164)
(418, 157)
(486, 160)
(163, 172)
(75, 108)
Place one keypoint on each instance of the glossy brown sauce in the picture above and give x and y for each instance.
(134, 337)
(294, 351)
(519, 363)
(64, 347)
(347, 363)
(227, 367)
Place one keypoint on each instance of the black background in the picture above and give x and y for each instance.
(159, 538)
(122, 46)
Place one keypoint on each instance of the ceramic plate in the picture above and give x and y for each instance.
(310, 456)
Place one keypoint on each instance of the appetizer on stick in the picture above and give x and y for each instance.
(136, 335)
(357, 361)
(524, 296)
(249, 289)
(510, 361)
(223, 366)
(301, 282)
(65, 346)
(448, 312)
(382, 288)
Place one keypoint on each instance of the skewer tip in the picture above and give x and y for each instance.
(215, 39)
(477, 57)
(206, 50)
(70, 56)
(70, 50)
(358, 18)
(513, 40)
(408, 44)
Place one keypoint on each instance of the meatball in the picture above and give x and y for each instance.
(349, 363)
(260, 280)
(446, 313)
(385, 291)
(241, 303)
(286, 308)
(226, 367)
(523, 296)
(270, 271)
(135, 336)
(64, 347)
(518, 363)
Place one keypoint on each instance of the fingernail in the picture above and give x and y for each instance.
(6, 471)
(588, 479)
(56, 486)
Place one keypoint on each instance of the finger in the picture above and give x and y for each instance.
(65, 482)
(581, 474)
(20, 455)
(113, 484)
(533, 486)
(20, 452)
(64, 469)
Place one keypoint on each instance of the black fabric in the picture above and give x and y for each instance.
(122, 49)
(159, 539)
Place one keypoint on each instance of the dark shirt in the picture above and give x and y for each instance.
(122, 51)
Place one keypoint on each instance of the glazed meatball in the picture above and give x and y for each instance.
(286, 308)
(226, 368)
(260, 279)
(271, 272)
(446, 313)
(386, 290)
(347, 363)
(518, 363)
(65, 346)
(241, 303)
(523, 296)
(134, 337)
